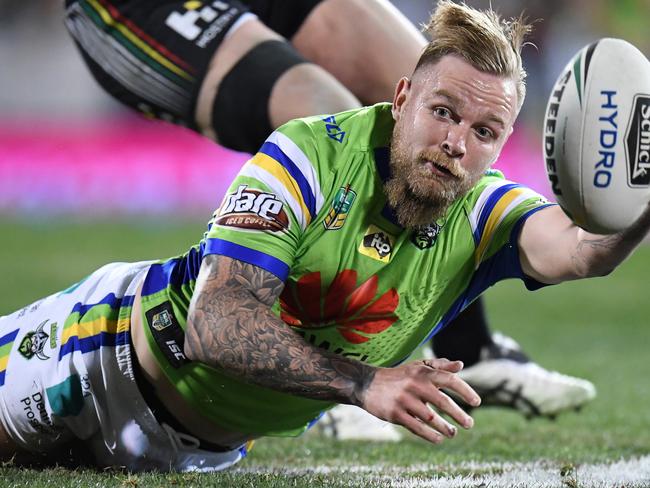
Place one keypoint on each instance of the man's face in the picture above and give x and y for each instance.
(451, 122)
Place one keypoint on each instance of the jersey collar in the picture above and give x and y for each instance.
(382, 162)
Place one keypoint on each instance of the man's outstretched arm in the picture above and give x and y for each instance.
(553, 249)
(231, 326)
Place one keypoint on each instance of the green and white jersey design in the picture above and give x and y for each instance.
(310, 208)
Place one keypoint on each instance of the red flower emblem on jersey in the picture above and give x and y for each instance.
(354, 309)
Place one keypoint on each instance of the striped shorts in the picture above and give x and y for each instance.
(153, 55)
(66, 376)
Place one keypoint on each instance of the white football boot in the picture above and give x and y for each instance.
(347, 422)
(506, 377)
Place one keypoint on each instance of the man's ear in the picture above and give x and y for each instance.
(401, 94)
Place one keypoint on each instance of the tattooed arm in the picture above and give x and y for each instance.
(230, 326)
(553, 249)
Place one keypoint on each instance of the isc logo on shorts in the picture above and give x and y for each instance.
(206, 21)
(167, 333)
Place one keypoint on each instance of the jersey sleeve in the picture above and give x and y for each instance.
(271, 202)
(497, 209)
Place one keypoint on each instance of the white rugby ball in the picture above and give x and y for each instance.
(597, 136)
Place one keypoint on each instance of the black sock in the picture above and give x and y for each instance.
(465, 336)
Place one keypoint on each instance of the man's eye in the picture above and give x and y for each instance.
(484, 133)
(442, 112)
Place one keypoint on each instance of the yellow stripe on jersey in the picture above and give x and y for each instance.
(95, 327)
(273, 167)
(497, 214)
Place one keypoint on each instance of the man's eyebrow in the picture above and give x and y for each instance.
(453, 100)
(497, 120)
(458, 103)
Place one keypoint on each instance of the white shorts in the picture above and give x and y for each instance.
(66, 375)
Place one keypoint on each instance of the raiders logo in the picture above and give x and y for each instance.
(34, 342)
(425, 237)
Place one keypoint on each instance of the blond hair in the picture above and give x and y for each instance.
(482, 38)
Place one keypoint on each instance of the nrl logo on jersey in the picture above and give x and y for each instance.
(425, 236)
(34, 342)
(253, 209)
(340, 208)
(377, 244)
(162, 320)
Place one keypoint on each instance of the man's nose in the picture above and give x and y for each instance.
(454, 143)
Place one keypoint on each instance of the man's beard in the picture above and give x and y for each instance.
(417, 196)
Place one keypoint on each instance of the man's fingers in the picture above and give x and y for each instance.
(448, 406)
(460, 388)
(425, 414)
(419, 428)
(444, 364)
(439, 399)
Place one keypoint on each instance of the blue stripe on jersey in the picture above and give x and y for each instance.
(10, 337)
(489, 206)
(92, 343)
(274, 151)
(502, 265)
(251, 256)
(111, 300)
(5, 340)
(175, 272)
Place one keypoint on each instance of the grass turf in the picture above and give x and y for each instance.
(596, 329)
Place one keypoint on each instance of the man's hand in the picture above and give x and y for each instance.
(401, 395)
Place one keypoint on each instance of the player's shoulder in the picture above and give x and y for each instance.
(497, 203)
(355, 129)
(494, 187)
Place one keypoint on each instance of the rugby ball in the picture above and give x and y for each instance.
(597, 136)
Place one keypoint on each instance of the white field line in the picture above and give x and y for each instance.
(631, 473)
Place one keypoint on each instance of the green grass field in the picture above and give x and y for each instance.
(596, 329)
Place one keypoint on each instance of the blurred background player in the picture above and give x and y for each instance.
(234, 71)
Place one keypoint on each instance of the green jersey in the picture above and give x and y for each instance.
(310, 208)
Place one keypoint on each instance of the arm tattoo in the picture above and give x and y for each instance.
(583, 256)
(231, 326)
(600, 254)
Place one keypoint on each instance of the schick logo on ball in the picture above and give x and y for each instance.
(637, 143)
